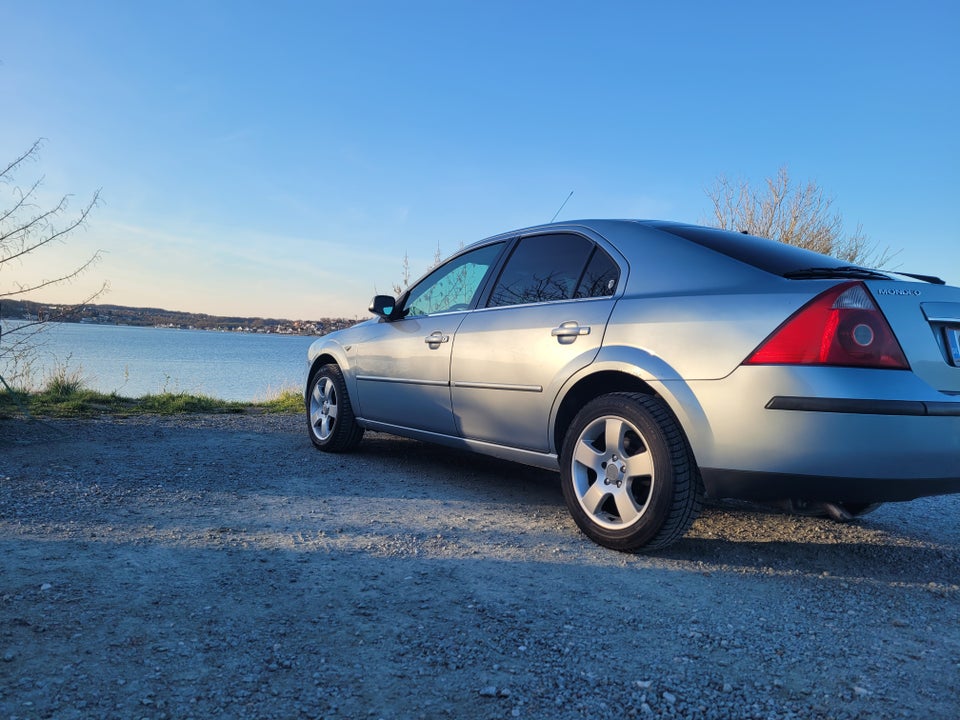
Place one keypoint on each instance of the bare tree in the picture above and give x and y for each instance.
(404, 283)
(400, 287)
(26, 228)
(800, 215)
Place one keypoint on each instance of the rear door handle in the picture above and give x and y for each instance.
(569, 331)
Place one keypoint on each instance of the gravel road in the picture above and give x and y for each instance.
(219, 566)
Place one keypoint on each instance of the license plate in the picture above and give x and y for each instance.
(953, 344)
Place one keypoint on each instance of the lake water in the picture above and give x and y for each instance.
(135, 361)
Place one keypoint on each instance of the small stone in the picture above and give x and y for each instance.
(644, 684)
(727, 687)
(489, 691)
(46, 586)
(669, 697)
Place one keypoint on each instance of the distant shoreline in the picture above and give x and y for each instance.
(24, 310)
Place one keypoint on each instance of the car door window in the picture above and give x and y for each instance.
(560, 266)
(600, 277)
(454, 285)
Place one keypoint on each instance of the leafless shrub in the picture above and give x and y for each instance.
(800, 215)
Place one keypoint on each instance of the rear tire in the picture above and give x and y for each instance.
(330, 420)
(628, 474)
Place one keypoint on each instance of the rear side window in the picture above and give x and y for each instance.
(561, 266)
(600, 278)
(769, 255)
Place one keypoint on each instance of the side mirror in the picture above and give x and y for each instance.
(383, 305)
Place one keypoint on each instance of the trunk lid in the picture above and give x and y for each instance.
(926, 320)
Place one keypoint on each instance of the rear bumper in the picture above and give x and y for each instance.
(822, 434)
(755, 485)
(748, 485)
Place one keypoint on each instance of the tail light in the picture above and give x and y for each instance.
(842, 326)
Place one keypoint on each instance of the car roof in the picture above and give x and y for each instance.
(764, 254)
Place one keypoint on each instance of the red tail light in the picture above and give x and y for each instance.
(842, 326)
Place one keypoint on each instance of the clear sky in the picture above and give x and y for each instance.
(280, 158)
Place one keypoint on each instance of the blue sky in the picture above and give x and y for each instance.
(279, 159)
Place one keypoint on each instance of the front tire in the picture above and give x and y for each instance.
(330, 420)
(628, 475)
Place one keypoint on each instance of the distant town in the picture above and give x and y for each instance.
(156, 317)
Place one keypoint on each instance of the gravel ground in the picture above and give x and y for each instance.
(218, 566)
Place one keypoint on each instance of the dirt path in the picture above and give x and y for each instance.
(218, 566)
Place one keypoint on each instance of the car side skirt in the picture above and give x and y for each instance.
(546, 461)
(752, 485)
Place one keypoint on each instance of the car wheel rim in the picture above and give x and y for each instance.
(323, 408)
(613, 474)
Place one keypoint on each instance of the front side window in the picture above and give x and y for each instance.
(545, 268)
(454, 285)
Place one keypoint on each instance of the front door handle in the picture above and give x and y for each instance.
(435, 338)
(569, 331)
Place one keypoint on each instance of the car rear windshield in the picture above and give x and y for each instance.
(769, 255)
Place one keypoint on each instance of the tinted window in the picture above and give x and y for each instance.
(454, 285)
(774, 257)
(600, 278)
(542, 268)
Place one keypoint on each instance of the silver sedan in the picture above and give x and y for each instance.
(655, 363)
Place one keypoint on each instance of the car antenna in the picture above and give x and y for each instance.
(561, 207)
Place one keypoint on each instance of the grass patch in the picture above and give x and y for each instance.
(175, 403)
(286, 401)
(65, 396)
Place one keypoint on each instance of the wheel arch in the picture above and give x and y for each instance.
(586, 389)
(322, 359)
(623, 369)
(331, 354)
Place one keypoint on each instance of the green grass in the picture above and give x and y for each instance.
(65, 396)
(286, 401)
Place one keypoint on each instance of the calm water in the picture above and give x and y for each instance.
(135, 361)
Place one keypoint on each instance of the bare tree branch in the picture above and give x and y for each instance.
(54, 234)
(10, 169)
(22, 202)
(23, 289)
(26, 228)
